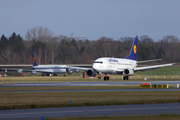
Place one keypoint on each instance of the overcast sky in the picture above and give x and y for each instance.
(92, 18)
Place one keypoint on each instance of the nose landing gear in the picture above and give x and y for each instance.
(106, 77)
(126, 78)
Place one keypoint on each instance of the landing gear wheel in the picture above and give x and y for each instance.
(42, 74)
(99, 77)
(105, 78)
(55, 75)
(126, 78)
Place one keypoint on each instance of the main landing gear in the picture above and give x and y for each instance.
(126, 78)
(54, 74)
(106, 77)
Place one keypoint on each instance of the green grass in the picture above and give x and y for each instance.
(113, 78)
(103, 87)
(61, 99)
(71, 88)
(161, 71)
(161, 74)
(174, 70)
(139, 117)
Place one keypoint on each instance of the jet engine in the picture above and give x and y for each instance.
(33, 72)
(91, 73)
(76, 70)
(70, 72)
(19, 71)
(128, 72)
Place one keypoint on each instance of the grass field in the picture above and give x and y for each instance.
(164, 71)
(113, 78)
(141, 117)
(103, 87)
(173, 70)
(165, 74)
(61, 99)
(72, 88)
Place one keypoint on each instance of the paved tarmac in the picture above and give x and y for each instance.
(50, 84)
(109, 90)
(90, 111)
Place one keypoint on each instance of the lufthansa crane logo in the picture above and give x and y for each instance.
(33, 60)
(135, 49)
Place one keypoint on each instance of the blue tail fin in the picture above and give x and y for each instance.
(34, 60)
(133, 52)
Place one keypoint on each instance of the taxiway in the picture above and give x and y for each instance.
(90, 111)
(50, 84)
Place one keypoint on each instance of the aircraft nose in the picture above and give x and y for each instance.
(95, 66)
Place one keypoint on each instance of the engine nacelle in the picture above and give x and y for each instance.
(33, 72)
(128, 72)
(91, 73)
(70, 72)
(76, 70)
(19, 71)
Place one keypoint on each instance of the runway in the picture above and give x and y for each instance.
(50, 84)
(108, 90)
(88, 111)
(91, 111)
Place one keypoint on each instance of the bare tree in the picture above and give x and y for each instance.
(6, 54)
(170, 44)
(42, 34)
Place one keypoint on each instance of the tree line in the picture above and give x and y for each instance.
(51, 49)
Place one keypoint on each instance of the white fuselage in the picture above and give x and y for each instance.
(52, 69)
(111, 65)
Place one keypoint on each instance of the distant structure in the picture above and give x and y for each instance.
(76, 37)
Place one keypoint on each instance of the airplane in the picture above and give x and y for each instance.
(122, 66)
(44, 69)
(48, 69)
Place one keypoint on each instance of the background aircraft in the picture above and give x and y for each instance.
(44, 69)
(48, 69)
(122, 66)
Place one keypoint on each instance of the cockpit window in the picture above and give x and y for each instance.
(98, 62)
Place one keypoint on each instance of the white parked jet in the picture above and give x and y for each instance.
(48, 69)
(44, 69)
(122, 66)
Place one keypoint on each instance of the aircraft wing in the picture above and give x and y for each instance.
(25, 70)
(15, 70)
(151, 67)
(77, 68)
(148, 61)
